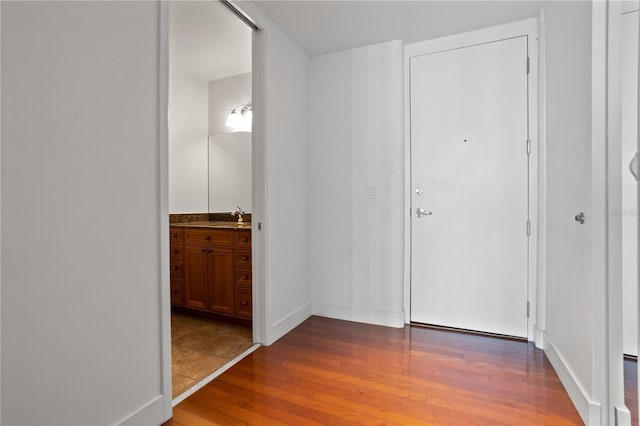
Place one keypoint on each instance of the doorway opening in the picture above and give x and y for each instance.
(473, 181)
(210, 191)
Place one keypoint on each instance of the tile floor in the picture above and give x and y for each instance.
(200, 346)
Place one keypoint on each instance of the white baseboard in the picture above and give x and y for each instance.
(589, 410)
(623, 416)
(151, 413)
(538, 337)
(359, 314)
(288, 323)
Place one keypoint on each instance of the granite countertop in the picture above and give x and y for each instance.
(213, 224)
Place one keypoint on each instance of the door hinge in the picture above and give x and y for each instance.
(528, 65)
(528, 228)
(528, 146)
(528, 309)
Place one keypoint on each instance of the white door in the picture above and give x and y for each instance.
(469, 173)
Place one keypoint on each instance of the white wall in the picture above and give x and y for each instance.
(81, 214)
(569, 298)
(224, 95)
(280, 181)
(356, 184)
(188, 125)
(287, 184)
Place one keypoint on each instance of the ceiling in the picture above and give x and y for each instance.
(208, 40)
(328, 26)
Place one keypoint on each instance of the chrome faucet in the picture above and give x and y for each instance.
(238, 212)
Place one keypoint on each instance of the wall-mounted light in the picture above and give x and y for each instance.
(239, 119)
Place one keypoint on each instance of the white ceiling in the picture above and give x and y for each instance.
(327, 26)
(207, 40)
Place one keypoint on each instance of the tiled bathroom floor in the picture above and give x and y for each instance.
(200, 346)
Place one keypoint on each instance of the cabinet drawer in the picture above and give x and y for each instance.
(176, 235)
(207, 237)
(242, 277)
(177, 269)
(242, 239)
(176, 252)
(242, 303)
(177, 291)
(242, 259)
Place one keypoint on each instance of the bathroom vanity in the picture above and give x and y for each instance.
(211, 269)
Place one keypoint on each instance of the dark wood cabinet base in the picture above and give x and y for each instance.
(213, 316)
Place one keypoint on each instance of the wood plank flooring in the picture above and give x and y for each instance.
(631, 388)
(342, 373)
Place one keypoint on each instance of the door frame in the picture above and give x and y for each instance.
(537, 192)
(259, 189)
(607, 197)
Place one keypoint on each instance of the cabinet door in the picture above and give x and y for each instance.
(220, 287)
(195, 283)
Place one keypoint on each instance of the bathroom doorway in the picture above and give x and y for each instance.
(210, 191)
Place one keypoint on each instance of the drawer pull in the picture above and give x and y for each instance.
(245, 277)
(245, 303)
(207, 238)
(245, 257)
(244, 240)
(175, 252)
(175, 291)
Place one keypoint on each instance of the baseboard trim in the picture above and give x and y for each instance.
(623, 416)
(539, 337)
(288, 323)
(150, 413)
(589, 410)
(359, 314)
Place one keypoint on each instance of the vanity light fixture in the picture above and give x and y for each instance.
(239, 119)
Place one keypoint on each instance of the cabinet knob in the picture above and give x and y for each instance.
(245, 303)
(245, 257)
(245, 277)
(204, 250)
(174, 291)
(207, 238)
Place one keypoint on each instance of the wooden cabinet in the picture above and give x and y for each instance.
(176, 267)
(215, 271)
(242, 294)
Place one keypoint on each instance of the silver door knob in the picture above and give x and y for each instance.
(419, 190)
(422, 212)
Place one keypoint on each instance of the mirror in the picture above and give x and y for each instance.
(209, 76)
(230, 172)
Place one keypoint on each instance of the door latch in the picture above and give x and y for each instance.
(422, 212)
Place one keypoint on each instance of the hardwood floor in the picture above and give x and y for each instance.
(631, 388)
(342, 373)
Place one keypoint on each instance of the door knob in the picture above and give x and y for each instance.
(633, 166)
(580, 218)
(422, 212)
(419, 190)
